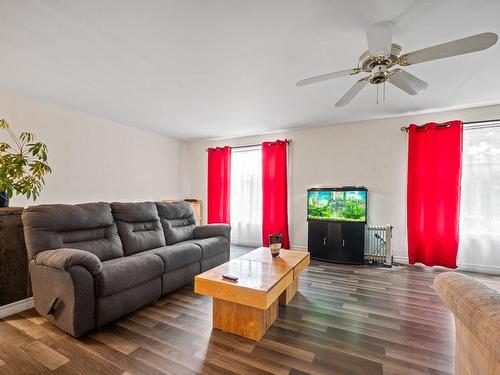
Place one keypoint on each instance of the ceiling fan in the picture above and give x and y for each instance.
(383, 57)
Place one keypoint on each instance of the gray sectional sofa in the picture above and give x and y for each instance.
(93, 263)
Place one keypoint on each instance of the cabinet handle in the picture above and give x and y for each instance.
(324, 241)
(343, 242)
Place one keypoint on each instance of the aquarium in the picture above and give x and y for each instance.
(337, 204)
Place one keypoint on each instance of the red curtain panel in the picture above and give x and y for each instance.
(433, 193)
(274, 191)
(219, 188)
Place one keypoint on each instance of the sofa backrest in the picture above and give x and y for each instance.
(88, 226)
(138, 226)
(177, 220)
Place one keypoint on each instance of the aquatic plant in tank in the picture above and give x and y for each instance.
(337, 205)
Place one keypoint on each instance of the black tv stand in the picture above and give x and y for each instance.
(337, 242)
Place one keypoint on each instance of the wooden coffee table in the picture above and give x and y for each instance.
(249, 306)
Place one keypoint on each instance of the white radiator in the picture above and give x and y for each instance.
(379, 244)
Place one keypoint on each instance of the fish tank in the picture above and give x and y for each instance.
(343, 204)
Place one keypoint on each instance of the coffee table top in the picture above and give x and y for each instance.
(261, 278)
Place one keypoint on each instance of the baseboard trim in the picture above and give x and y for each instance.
(299, 247)
(490, 270)
(16, 307)
(400, 259)
(477, 268)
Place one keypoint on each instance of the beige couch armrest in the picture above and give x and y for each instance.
(476, 305)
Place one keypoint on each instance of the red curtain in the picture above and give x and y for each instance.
(274, 191)
(219, 188)
(433, 193)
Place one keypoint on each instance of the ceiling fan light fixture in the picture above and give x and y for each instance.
(379, 74)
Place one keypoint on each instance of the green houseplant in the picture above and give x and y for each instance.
(23, 165)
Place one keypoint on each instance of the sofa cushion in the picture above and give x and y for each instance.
(138, 226)
(88, 226)
(125, 273)
(177, 256)
(211, 246)
(177, 220)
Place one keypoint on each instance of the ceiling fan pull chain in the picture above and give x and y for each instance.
(384, 91)
(377, 93)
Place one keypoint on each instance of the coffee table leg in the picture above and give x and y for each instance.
(243, 320)
(289, 292)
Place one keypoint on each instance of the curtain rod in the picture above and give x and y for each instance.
(253, 145)
(467, 125)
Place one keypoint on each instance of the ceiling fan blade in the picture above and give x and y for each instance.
(407, 82)
(379, 36)
(470, 44)
(353, 91)
(325, 77)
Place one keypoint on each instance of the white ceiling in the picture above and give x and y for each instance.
(200, 69)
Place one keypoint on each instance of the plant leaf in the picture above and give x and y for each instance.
(3, 124)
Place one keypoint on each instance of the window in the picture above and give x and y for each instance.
(246, 196)
(480, 196)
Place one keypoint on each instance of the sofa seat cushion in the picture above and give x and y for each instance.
(211, 246)
(124, 273)
(177, 256)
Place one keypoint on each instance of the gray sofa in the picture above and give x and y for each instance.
(93, 263)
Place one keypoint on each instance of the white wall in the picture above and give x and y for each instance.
(95, 159)
(371, 153)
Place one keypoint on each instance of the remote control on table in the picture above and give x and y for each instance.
(230, 277)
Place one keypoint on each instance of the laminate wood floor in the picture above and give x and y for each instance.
(345, 320)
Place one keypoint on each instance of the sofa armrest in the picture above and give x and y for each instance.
(64, 259)
(213, 230)
(67, 298)
(474, 304)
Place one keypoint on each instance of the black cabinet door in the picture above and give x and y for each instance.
(317, 239)
(334, 250)
(353, 242)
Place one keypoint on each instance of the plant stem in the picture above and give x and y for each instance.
(13, 136)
